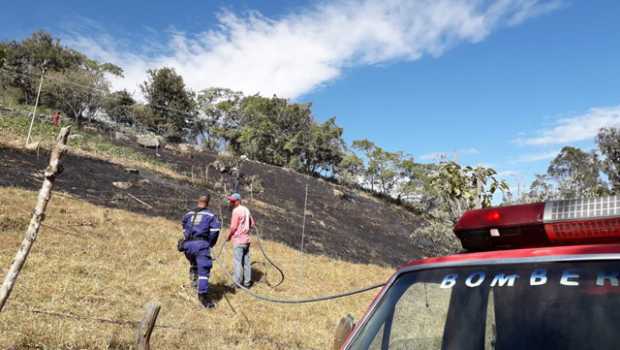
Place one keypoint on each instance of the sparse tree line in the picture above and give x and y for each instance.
(271, 130)
(75, 83)
(575, 173)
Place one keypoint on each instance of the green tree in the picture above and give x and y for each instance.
(77, 93)
(415, 181)
(219, 117)
(463, 188)
(170, 103)
(370, 153)
(30, 57)
(2, 54)
(351, 169)
(318, 149)
(4, 76)
(577, 173)
(269, 128)
(608, 141)
(118, 106)
(382, 171)
(541, 190)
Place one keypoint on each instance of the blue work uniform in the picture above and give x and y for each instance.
(201, 229)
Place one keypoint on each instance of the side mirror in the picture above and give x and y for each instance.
(345, 326)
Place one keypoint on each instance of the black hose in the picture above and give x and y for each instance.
(282, 277)
(260, 246)
(296, 301)
(307, 300)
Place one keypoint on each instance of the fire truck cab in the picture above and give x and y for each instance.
(535, 276)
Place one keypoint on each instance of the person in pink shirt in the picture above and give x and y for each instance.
(241, 223)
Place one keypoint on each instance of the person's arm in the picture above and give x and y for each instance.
(252, 222)
(214, 231)
(234, 224)
(186, 218)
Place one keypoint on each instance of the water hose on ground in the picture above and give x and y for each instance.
(282, 277)
(294, 301)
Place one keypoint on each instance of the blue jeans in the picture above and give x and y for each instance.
(242, 269)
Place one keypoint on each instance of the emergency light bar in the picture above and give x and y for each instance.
(575, 221)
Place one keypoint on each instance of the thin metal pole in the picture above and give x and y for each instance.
(303, 234)
(34, 111)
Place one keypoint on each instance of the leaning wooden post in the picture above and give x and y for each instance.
(53, 169)
(145, 329)
(345, 326)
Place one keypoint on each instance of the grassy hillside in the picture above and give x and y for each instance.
(356, 227)
(110, 262)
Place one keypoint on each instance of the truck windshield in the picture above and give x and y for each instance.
(560, 305)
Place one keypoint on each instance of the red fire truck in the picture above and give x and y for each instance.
(535, 276)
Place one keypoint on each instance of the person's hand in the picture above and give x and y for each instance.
(180, 245)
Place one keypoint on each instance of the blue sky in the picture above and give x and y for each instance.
(501, 83)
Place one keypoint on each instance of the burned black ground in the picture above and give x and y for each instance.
(356, 227)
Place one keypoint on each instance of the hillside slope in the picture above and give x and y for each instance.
(108, 263)
(356, 227)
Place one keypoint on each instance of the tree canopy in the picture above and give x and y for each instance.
(577, 173)
(463, 188)
(608, 141)
(118, 106)
(34, 55)
(73, 82)
(171, 104)
(271, 130)
(2, 55)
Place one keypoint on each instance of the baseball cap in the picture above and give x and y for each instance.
(235, 197)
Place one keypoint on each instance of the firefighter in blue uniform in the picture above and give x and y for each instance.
(201, 229)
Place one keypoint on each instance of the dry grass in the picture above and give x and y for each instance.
(117, 261)
(419, 318)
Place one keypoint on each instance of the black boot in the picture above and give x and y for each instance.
(206, 301)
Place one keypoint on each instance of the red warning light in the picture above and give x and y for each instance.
(575, 221)
(503, 227)
(494, 216)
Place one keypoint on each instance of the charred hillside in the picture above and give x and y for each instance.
(341, 223)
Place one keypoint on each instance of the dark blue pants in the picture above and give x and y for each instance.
(198, 254)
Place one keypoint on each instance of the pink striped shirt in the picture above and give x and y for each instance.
(240, 224)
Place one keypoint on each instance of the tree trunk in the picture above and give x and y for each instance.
(53, 169)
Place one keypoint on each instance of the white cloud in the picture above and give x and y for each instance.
(577, 128)
(468, 151)
(301, 51)
(535, 157)
(446, 155)
(509, 173)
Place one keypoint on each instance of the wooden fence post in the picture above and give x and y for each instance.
(345, 326)
(53, 169)
(145, 329)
